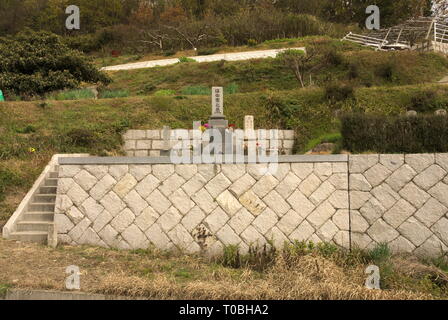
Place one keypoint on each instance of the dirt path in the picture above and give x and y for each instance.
(234, 56)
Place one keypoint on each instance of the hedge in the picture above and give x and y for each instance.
(398, 134)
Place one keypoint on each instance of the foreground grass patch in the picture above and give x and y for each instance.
(303, 272)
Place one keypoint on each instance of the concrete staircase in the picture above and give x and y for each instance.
(36, 221)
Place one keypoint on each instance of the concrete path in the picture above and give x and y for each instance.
(234, 56)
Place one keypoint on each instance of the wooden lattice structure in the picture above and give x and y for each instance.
(423, 33)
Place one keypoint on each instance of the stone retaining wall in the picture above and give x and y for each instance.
(202, 206)
(401, 200)
(142, 143)
(347, 200)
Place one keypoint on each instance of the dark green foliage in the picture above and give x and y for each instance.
(207, 51)
(338, 92)
(34, 63)
(80, 138)
(424, 101)
(386, 134)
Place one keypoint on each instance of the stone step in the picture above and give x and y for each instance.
(30, 236)
(45, 198)
(51, 182)
(33, 226)
(38, 216)
(42, 207)
(47, 190)
(53, 175)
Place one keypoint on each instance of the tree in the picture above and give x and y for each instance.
(34, 63)
(299, 62)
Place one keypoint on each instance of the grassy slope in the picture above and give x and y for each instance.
(360, 68)
(53, 127)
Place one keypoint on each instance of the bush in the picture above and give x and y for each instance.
(208, 51)
(34, 63)
(424, 101)
(80, 138)
(399, 134)
(72, 95)
(164, 93)
(252, 42)
(339, 93)
(108, 94)
(186, 60)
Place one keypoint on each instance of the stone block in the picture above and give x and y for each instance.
(276, 202)
(420, 162)
(91, 208)
(401, 177)
(288, 185)
(429, 177)
(85, 180)
(359, 183)
(102, 187)
(303, 232)
(204, 200)
(399, 213)
(302, 170)
(143, 144)
(252, 237)
(217, 185)
(242, 185)
(125, 185)
(440, 192)
(147, 185)
(241, 220)
(62, 223)
(300, 204)
(118, 171)
(229, 203)
(181, 201)
(158, 201)
(322, 193)
(382, 232)
(135, 202)
(171, 184)
(193, 218)
(140, 171)
(431, 212)
(77, 194)
(392, 161)
(102, 220)
(112, 203)
(252, 203)
(123, 220)
(216, 220)
(321, 214)
(414, 231)
(414, 195)
(310, 184)
(162, 171)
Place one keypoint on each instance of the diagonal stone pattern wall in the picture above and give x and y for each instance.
(401, 200)
(202, 207)
(365, 200)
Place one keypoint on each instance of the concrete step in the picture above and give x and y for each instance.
(41, 206)
(33, 226)
(38, 216)
(45, 198)
(51, 182)
(47, 190)
(53, 174)
(30, 236)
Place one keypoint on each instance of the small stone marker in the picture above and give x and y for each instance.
(166, 135)
(441, 112)
(248, 123)
(217, 102)
(411, 113)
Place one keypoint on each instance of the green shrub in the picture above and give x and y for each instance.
(196, 90)
(424, 101)
(394, 134)
(339, 93)
(207, 51)
(186, 60)
(72, 95)
(107, 94)
(164, 93)
(35, 63)
(252, 42)
(169, 53)
(80, 138)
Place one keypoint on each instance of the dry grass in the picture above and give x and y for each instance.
(167, 276)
